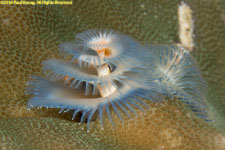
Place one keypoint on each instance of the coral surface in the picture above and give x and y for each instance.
(30, 35)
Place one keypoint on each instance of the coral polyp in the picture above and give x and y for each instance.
(110, 71)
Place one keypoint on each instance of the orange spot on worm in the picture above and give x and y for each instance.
(66, 77)
(105, 52)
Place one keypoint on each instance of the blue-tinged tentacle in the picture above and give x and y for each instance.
(202, 116)
(86, 88)
(118, 102)
(94, 90)
(89, 118)
(73, 84)
(129, 107)
(139, 101)
(129, 100)
(116, 110)
(108, 112)
(83, 116)
(61, 110)
(77, 84)
(67, 110)
(101, 107)
(75, 113)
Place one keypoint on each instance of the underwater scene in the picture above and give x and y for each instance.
(112, 74)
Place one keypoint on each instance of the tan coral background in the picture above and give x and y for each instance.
(31, 34)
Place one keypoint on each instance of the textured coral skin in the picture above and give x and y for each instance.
(30, 35)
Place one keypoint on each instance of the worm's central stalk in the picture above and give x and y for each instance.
(105, 90)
